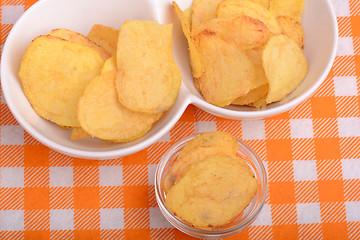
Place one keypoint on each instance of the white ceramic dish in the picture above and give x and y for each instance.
(319, 24)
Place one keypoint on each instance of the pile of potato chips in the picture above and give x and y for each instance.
(112, 84)
(245, 52)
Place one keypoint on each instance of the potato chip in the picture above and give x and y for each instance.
(78, 133)
(228, 72)
(203, 10)
(101, 115)
(264, 3)
(285, 66)
(195, 62)
(78, 38)
(212, 192)
(244, 31)
(105, 37)
(292, 28)
(236, 8)
(289, 8)
(201, 147)
(188, 13)
(148, 79)
(253, 96)
(54, 73)
(109, 65)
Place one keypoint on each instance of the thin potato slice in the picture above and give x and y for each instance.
(203, 10)
(54, 73)
(213, 192)
(198, 149)
(148, 79)
(292, 28)
(236, 8)
(264, 3)
(228, 72)
(104, 36)
(109, 65)
(188, 13)
(195, 62)
(244, 31)
(290, 8)
(78, 38)
(101, 115)
(285, 66)
(78, 133)
(253, 96)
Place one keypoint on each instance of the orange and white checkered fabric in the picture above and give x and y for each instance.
(312, 155)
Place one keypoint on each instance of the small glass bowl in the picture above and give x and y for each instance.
(242, 221)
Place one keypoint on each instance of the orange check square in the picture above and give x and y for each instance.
(327, 148)
(136, 196)
(188, 115)
(134, 234)
(323, 107)
(355, 25)
(37, 198)
(286, 231)
(36, 156)
(334, 231)
(87, 234)
(86, 197)
(37, 235)
(282, 192)
(279, 149)
(182, 236)
(331, 191)
(29, 3)
(136, 158)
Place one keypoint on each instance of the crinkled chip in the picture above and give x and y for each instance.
(228, 73)
(201, 147)
(101, 115)
(195, 62)
(253, 96)
(236, 8)
(148, 79)
(78, 38)
(244, 31)
(54, 73)
(261, 85)
(78, 133)
(104, 36)
(285, 66)
(292, 28)
(290, 8)
(212, 192)
(203, 10)
(109, 65)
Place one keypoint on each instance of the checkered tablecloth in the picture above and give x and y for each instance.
(312, 155)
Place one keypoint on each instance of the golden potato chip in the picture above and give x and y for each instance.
(236, 8)
(78, 38)
(203, 10)
(285, 66)
(198, 149)
(196, 84)
(212, 192)
(253, 96)
(195, 62)
(293, 29)
(228, 72)
(101, 115)
(109, 65)
(244, 31)
(148, 79)
(261, 103)
(290, 8)
(264, 3)
(187, 13)
(105, 37)
(54, 73)
(78, 133)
